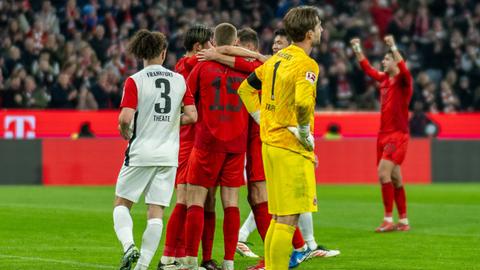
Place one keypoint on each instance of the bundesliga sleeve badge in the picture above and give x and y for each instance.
(310, 76)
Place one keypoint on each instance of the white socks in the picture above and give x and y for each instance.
(403, 221)
(150, 240)
(123, 225)
(305, 223)
(247, 228)
(388, 219)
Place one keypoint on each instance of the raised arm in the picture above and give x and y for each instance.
(364, 64)
(402, 66)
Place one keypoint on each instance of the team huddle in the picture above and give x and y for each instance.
(228, 112)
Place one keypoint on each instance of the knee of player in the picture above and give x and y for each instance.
(397, 181)
(383, 176)
(210, 204)
(155, 211)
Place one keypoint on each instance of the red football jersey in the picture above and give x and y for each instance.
(222, 118)
(395, 95)
(184, 66)
(249, 66)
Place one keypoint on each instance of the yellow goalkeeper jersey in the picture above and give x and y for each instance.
(288, 83)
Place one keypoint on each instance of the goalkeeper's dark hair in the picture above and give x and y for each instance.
(197, 33)
(283, 33)
(248, 35)
(299, 20)
(147, 45)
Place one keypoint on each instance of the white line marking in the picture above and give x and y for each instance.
(99, 266)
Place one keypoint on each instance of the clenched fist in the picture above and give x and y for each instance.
(389, 40)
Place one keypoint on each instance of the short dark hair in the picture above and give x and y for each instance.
(281, 32)
(197, 33)
(399, 51)
(225, 34)
(147, 45)
(299, 20)
(248, 35)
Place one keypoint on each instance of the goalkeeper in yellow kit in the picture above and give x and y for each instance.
(286, 116)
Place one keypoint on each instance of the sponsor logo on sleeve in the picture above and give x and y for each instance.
(310, 76)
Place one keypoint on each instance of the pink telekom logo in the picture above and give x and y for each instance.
(19, 127)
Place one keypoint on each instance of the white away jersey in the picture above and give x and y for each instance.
(156, 93)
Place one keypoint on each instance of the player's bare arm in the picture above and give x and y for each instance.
(390, 41)
(225, 55)
(213, 54)
(242, 52)
(357, 48)
(189, 115)
(124, 120)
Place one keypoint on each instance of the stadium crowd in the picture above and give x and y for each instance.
(72, 54)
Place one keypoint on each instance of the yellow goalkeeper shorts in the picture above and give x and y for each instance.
(291, 186)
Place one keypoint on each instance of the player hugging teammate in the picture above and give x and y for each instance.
(265, 118)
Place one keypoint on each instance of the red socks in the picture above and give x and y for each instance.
(208, 234)
(262, 218)
(231, 226)
(193, 230)
(175, 231)
(298, 241)
(387, 195)
(401, 202)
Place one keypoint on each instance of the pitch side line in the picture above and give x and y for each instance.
(57, 261)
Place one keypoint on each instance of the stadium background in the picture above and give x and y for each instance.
(62, 65)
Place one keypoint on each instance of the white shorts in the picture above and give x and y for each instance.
(157, 183)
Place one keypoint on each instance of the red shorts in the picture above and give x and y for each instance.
(183, 155)
(210, 169)
(255, 172)
(392, 146)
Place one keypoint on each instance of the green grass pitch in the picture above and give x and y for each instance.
(71, 228)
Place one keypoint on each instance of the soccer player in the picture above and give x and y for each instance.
(305, 246)
(395, 94)
(219, 151)
(197, 38)
(280, 40)
(288, 83)
(152, 104)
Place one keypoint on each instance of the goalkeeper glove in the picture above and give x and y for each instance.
(303, 136)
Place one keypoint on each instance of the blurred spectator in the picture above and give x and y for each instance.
(418, 121)
(34, 96)
(64, 96)
(12, 95)
(106, 93)
(84, 39)
(449, 100)
(465, 94)
(100, 44)
(85, 131)
(333, 132)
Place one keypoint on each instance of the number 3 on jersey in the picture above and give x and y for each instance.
(165, 105)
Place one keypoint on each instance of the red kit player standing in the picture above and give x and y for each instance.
(197, 38)
(218, 154)
(396, 91)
